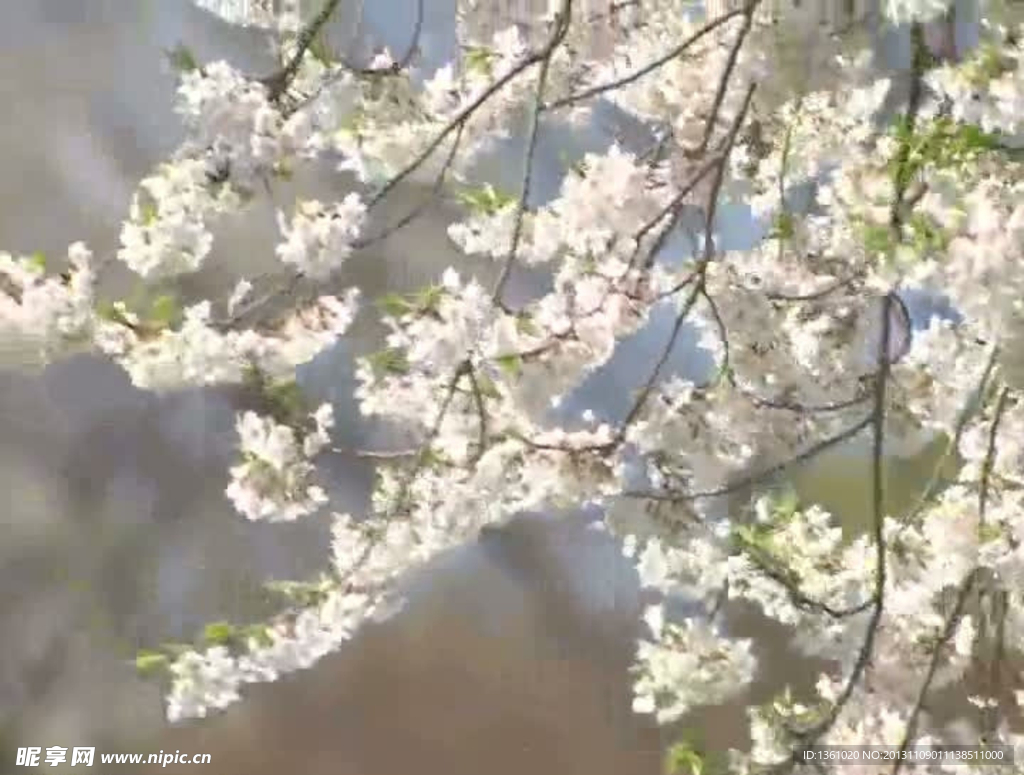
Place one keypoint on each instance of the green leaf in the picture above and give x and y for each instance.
(927, 236)
(114, 311)
(149, 213)
(787, 504)
(394, 304)
(783, 226)
(973, 138)
(431, 457)
(164, 311)
(390, 360)
(149, 663)
(37, 261)
(753, 536)
(989, 532)
(683, 759)
(725, 373)
(471, 198)
(943, 143)
(479, 59)
(321, 50)
(485, 200)
(175, 650)
(219, 633)
(287, 402)
(525, 324)
(512, 365)
(107, 311)
(259, 633)
(252, 375)
(283, 171)
(182, 59)
(486, 386)
(877, 239)
(301, 593)
(988, 63)
(420, 302)
(930, 640)
(428, 299)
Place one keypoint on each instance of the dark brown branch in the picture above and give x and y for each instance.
(561, 28)
(990, 454)
(646, 69)
(947, 633)
(797, 596)
(723, 160)
(278, 83)
(730, 66)
(809, 454)
(481, 410)
(459, 120)
(428, 201)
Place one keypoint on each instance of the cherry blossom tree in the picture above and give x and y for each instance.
(809, 333)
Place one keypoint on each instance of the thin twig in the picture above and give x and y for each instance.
(674, 209)
(278, 83)
(698, 287)
(730, 65)
(972, 405)
(367, 454)
(815, 295)
(646, 69)
(458, 120)
(809, 454)
(947, 633)
(428, 201)
(990, 720)
(877, 420)
(914, 101)
(481, 410)
(562, 27)
(990, 454)
(798, 597)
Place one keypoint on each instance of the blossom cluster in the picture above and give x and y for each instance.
(319, 238)
(200, 351)
(43, 317)
(272, 481)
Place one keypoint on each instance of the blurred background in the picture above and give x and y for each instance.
(512, 653)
